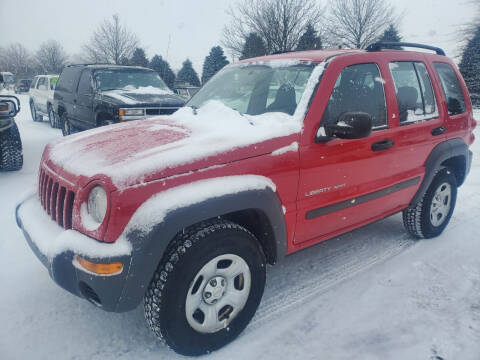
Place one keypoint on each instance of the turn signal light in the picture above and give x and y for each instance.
(100, 268)
(121, 112)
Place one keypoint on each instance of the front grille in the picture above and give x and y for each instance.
(161, 111)
(56, 198)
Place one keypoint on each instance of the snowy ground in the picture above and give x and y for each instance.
(370, 294)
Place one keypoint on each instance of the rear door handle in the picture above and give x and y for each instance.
(382, 145)
(438, 131)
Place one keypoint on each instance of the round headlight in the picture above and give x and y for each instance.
(97, 204)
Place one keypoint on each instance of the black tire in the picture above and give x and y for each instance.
(11, 156)
(67, 127)
(165, 299)
(418, 218)
(33, 110)
(52, 119)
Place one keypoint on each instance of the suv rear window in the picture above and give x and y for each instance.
(68, 79)
(415, 97)
(451, 88)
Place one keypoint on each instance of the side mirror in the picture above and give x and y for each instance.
(350, 125)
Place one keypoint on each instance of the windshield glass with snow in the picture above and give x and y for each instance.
(127, 80)
(256, 89)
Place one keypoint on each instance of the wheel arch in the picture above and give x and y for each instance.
(454, 155)
(259, 211)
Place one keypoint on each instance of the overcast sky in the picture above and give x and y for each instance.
(191, 27)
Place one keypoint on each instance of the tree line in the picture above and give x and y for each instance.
(256, 28)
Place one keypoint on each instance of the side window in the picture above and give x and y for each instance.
(415, 97)
(451, 88)
(359, 88)
(85, 83)
(41, 81)
(68, 79)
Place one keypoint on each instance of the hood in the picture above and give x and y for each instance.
(146, 96)
(145, 150)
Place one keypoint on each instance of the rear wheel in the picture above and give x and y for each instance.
(52, 119)
(207, 288)
(33, 110)
(429, 217)
(11, 156)
(67, 128)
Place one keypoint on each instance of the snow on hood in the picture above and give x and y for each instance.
(129, 152)
(129, 94)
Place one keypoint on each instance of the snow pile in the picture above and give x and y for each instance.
(130, 89)
(154, 210)
(212, 129)
(277, 63)
(52, 240)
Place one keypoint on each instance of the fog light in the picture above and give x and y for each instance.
(99, 268)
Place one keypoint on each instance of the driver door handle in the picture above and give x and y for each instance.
(382, 145)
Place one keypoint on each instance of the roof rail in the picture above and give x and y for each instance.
(388, 44)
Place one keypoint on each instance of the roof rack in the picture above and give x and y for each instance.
(388, 44)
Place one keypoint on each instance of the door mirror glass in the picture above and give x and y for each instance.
(350, 125)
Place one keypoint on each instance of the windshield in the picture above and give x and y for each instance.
(127, 80)
(256, 89)
(8, 78)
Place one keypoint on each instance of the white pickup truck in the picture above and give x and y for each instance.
(41, 98)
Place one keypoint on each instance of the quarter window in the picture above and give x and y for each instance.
(359, 88)
(415, 97)
(451, 88)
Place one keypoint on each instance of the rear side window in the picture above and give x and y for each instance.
(41, 81)
(359, 88)
(68, 79)
(415, 96)
(451, 88)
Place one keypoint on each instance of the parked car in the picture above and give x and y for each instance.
(185, 89)
(271, 156)
(41, 98)
(7, 80)
(89, 96)
(22, 85)
(11, 156)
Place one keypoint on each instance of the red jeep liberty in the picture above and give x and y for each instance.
(272, 155)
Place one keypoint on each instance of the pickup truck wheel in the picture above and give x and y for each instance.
(33, 110)
(11, 157)
(207, 287)
(429, 217)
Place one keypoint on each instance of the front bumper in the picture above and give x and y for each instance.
(56, 248)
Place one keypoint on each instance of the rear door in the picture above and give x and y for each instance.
(65, 91)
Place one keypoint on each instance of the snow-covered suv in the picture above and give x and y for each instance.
(272, 155)
(41, 98)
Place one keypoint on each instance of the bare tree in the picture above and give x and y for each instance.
(16, 59)
(358, 23)
(51, 57)
(279, 23)
(111, 42)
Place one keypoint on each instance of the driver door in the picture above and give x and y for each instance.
(347, 183)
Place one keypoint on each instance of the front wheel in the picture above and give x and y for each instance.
(207, 287)
(429, 217)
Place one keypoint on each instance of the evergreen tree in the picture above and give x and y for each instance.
(188, 74)
(309, 40)
(215, 61)
(253, 47)
(391, 34)
(139, 58)
(163, 69)
(470, 65)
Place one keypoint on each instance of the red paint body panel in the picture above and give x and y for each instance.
(315, 176)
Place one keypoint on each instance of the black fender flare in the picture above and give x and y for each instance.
(148, 248)
(436, 160)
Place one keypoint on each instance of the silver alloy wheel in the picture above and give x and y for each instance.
(51, 117)
(33, 111)
(66, 126)
(218, 293)
(441, 203)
